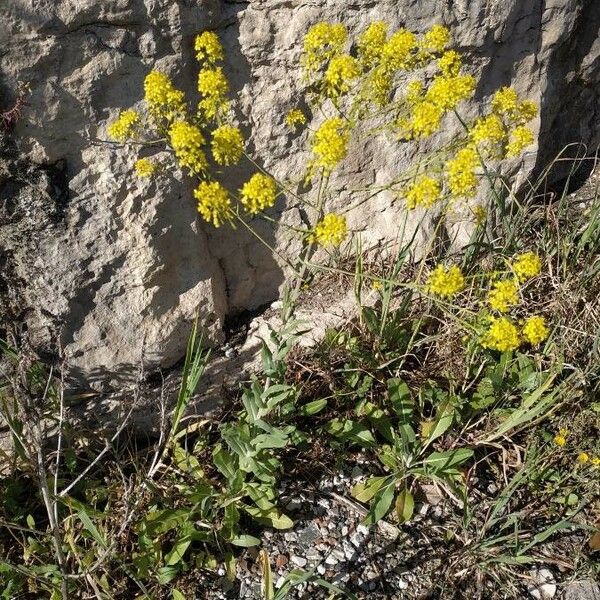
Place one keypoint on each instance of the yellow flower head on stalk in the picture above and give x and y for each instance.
(295, 118)
(445, 281)
(502, 335)
(425, 192)
(124, 127)
(436, 39)
(378, 86)
(426, 119)
(480, 213)
(535, 330)
(596, 461)
(331, 230)
(164, 101)
(214, 204)
(414, 92)
(503, 295)
(330, 143)
(371, 43)
(321, 43)
(144, 167)
(214, 87)
(450, 63)
(187, 141)
(340, 74)
(488, 129)
(560, 439)
(227, 145)
(258, 193)
(505, 101)
(208, 47)
(526, 111)
(583, 458)
(397, 51)
(527, 265)
(520, 138)
(461, 175)
(446, 92)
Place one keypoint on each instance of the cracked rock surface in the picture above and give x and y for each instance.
(108, 271)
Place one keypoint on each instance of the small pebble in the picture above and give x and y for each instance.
(299, 561)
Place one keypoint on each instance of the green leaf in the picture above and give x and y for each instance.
(381, 504)
(178, 550)
(405, 505)
(177, 595)
(245, 541)
(350, 431)
(271, 517)
(312, 408)
(448, 461)
(400, 397)
(363, 492)
(165, 575)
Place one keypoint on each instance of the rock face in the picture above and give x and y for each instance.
(108, 271)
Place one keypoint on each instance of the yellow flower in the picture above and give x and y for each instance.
(378, 86)
(144, 167)
(505, 101)
(520, 138)
(371, 42)
(461, 175)
(560, 439)
(502, 335)
(259, 193)
(163, 100)
(445, 281)
(295, 118)
(187, 142)
(535, 330)
(377, 285)
(208, 47)
(583, 458)
(414, 92)
(124, 127)
(214, 87)
(450, 63)
(227, 145)
(503, 295)
(446, 92)
(330, 143)
(425, 192)
(488, 129)
(331, 230)
(396, 52)
(342, 70)
(426, 119)
(527, 265)
(436, 39)
(213, 202)
(322, 42)
(480, 213)
(526, 111)
(596, 461)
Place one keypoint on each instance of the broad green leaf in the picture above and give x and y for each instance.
(405, 505)
(400, 397)
(350, 431)
(271, 517)
(177, 595)
(166, 574)
(380, 504)
(178, 550)
(245, 541)
(312, 408)
(363, 492)
(449, 460)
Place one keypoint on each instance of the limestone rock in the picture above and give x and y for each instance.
(107, 271)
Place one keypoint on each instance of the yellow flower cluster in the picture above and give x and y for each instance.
(144, 167)
(208, 47)
(527, 265)
(258, 193)
(460, 171)
(331, 230)
(535, 330)
(445, 281)
(378, 86)
(506, 103)
(503, 295)
(187, 141)
(426, 118)
(425, 192)
(397, 51)
(164, 101)
(322, 42)
(436, 39)
(371, 43)
(502, 335)
(213, 202)
(560, 439)
(124, 127)
(583, 458)
(214, 87)
(227, 145)
(446, 92)
(295, 118)
(520, 138)
(341, 72)
(450, 63)
(488, 129)
(330, 143)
